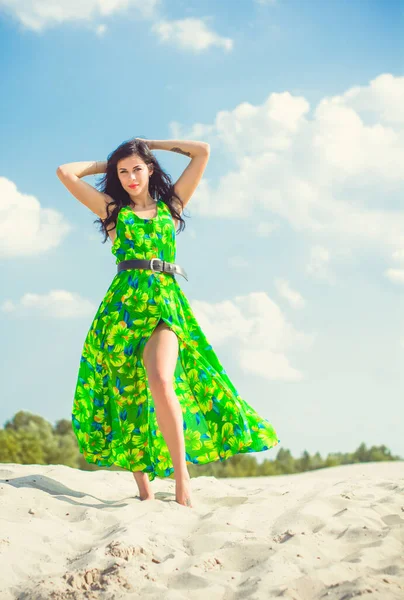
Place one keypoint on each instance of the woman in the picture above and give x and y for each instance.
(151, 393)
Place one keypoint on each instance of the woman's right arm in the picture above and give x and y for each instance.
(70, 175)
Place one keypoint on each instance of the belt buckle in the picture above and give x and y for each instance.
(151, 265)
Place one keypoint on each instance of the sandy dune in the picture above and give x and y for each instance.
(333, 533)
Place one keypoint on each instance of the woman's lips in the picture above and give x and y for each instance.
(134, 186)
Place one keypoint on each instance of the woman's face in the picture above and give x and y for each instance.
(133, 174)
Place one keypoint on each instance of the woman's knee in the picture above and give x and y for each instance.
(160, 378)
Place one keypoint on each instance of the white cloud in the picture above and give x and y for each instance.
(335, 174)
(38, 15)
(26, 228)
(318, 265)
(395, 275)
(259, 334)
(398, 255)
(248, 130)
(294, 298)
(382, 98)
(190, 34)
(57, 304)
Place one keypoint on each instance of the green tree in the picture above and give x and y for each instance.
(30, 439)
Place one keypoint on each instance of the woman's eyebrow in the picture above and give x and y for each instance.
(124, 168)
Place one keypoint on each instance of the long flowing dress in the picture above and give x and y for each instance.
(113, 415)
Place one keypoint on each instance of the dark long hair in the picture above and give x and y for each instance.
(160, 184)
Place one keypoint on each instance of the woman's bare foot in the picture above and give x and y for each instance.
(183, 491)
(143, 483)
(149, 496)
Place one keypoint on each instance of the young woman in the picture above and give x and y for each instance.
(151, 393)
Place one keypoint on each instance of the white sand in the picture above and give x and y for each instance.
(333, 533)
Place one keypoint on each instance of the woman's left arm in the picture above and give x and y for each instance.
(189, 179)
(186, 147)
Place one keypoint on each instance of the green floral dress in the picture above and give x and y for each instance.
(113, 414)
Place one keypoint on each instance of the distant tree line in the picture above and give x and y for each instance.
(30, 439)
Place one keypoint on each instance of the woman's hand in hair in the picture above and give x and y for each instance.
(148, 143)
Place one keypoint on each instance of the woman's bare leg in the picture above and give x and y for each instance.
(143, 483)
(160, 357)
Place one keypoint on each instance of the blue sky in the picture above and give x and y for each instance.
(300, 205)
